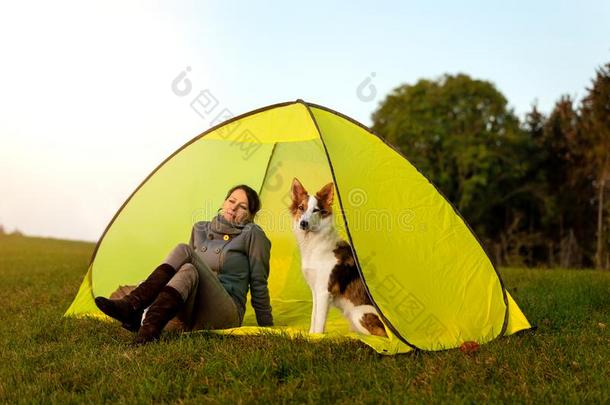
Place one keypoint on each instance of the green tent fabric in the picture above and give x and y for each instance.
(424, 269)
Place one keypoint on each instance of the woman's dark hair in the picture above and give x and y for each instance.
(254, 203)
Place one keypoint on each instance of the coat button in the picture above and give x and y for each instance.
(217, 250)
(204, 248)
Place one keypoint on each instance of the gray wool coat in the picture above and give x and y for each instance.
(239, 254)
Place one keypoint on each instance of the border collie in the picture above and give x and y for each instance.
(328, 264)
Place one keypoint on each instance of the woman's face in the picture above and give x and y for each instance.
(235, 208)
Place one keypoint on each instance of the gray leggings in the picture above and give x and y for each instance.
(207, 304)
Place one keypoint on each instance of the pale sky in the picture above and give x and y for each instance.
(87, 109)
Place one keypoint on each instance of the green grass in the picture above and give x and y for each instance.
(46, 358)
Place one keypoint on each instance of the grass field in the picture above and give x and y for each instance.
(49, 359)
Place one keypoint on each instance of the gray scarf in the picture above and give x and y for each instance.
(221, 225)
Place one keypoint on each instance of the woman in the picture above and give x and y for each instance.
(205, 282)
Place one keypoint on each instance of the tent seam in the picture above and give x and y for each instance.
(332, 171)
(260, 191)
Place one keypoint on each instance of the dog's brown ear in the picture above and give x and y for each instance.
(326, 194)
(298, 191)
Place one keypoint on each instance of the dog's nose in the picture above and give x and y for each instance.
(304, 224)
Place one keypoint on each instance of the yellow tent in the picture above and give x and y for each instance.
(425, 271)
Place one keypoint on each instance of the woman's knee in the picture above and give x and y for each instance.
(180, 254)
(185, 280)
(184, 248)
(188, 272)
(188, 269)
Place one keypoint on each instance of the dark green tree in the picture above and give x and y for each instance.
(595, 124)
(533, 197)
(560, 162)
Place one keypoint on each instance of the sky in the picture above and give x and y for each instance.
(88, 110)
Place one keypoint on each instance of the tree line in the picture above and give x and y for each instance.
(16, 232)
(534, 190)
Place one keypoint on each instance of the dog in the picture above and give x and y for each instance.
(328, 264)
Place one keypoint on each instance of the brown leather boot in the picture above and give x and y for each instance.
(128, 310)
(166, 306)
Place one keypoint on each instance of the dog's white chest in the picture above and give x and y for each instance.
(318, 258)
(317, 268)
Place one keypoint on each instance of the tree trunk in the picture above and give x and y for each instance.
(599, 253)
